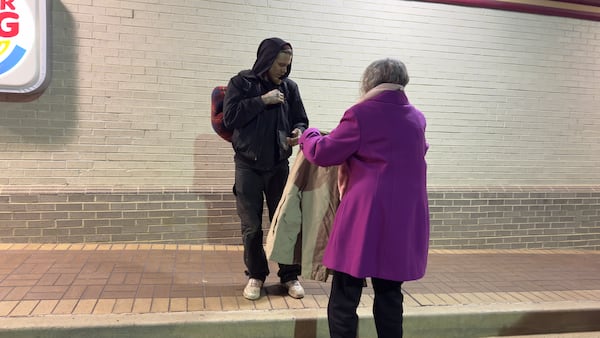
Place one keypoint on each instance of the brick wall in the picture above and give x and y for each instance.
(112, 215)
(528, 217)
(515, 217)
(511, 101)
(511, 98)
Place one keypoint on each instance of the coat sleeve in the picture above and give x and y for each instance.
(238, 108)
(282, 238)
(283, 233)
(298, 117)
(335, 148)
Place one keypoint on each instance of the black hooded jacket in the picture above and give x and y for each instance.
(259, 130)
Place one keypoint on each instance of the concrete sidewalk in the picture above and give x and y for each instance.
(118, 290)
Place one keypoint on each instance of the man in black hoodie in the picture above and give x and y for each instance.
(265, 111)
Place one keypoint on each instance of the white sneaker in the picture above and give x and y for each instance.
(294, 288)
(252, 289)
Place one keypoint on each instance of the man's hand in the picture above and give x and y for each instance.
(292, 141)
(273, 97)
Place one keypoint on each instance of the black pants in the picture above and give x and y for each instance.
(345, 296)
(252, 187)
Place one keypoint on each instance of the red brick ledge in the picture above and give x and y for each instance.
(579, 9)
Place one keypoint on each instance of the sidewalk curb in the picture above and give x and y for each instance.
(436, 321)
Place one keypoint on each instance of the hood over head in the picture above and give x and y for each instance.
(267, 53)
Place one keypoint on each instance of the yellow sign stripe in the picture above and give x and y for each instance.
(4, 46)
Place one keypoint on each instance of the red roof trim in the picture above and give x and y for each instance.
(533, 7)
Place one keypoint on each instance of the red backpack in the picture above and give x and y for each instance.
(216, 113)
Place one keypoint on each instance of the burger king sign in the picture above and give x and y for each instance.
(23, 57)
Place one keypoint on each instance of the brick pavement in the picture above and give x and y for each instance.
(40, 280)
(43, 279)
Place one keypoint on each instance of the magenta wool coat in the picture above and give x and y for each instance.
(381, 228)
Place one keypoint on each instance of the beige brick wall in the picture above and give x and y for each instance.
(511, 98)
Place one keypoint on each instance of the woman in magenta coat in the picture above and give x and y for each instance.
(381, 228)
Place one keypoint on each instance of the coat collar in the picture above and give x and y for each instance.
(380, 89)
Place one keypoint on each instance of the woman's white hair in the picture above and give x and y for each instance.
(384, 71)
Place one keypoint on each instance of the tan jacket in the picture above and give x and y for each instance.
(303, 218)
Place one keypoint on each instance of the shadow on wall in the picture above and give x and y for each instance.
(213, 163)
(48, 116)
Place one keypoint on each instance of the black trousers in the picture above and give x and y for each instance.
(345, 296)
(251, 188)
